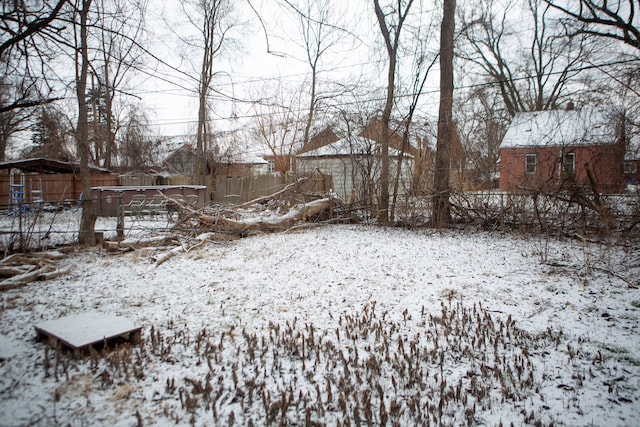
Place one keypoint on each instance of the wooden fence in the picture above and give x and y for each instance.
(53, 188)
(244, 189)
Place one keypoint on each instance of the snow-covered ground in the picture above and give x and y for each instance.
(338, 325)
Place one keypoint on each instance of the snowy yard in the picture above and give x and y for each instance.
(340, 325)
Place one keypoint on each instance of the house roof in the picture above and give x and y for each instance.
(42, 165)
(558, 128)
(355, 146)
(244, 159)
(328, 142)
(324, 137)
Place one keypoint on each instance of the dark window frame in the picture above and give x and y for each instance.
(630, 167)
(531, 163)
(569, 164)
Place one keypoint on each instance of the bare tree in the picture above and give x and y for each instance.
(212, 19)
(29, 28)
(13, 120)
(23, 21)
(319, 35)
(482, 123)
(422, 62)
(532, 69)
(390, 20)
(81, 11)
(121, 28)
(616, 20)
(441, 206)
(278, 128)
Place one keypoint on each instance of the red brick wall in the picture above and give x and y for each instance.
(605, 161)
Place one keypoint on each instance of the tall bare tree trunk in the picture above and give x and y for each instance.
(204, 82)
(201, 138)
(391, 36)
(213, 30)
(383, 205)
(312, 105)
(86, 234)
(441, 206)
(109, 119)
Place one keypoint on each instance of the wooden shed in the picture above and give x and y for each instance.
(46, 180)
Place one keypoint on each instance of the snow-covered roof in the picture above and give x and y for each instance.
(557, 128)
(358, 146)
(245, 159)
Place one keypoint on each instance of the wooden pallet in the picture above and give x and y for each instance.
(81, 331)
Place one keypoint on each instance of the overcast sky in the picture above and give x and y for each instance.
(247, 71)
(244, 69)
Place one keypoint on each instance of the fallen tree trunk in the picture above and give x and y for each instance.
(133, 243)
(44, 273)
(297, 213)
(200, 240)
(20, 269)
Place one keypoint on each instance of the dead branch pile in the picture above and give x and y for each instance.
(19, 269)
(277, 212)
(286, 209)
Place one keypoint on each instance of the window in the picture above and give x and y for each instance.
(630, 167)
(530, 163)
(569, 163)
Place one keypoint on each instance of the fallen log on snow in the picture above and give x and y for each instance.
(199, 241)
(133, 243)
(269, 221)
(20, 269)
(237, 220)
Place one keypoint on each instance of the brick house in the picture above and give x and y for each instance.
(558, 149)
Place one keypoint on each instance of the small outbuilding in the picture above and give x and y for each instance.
(46, 181)
(354, 164)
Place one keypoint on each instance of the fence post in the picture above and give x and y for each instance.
(120, 213)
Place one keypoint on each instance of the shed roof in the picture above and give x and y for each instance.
(42, 165)
(558, 128)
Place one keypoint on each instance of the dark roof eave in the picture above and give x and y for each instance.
(43, 165)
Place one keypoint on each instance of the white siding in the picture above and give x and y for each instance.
(347, 175)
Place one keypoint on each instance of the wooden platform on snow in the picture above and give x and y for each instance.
(81, 331)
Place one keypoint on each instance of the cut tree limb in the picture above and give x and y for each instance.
(20, 269)
(165, 256)
(200, 240)
(23, 279)
(301, 212)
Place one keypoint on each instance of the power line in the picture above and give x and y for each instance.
(409, 95)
